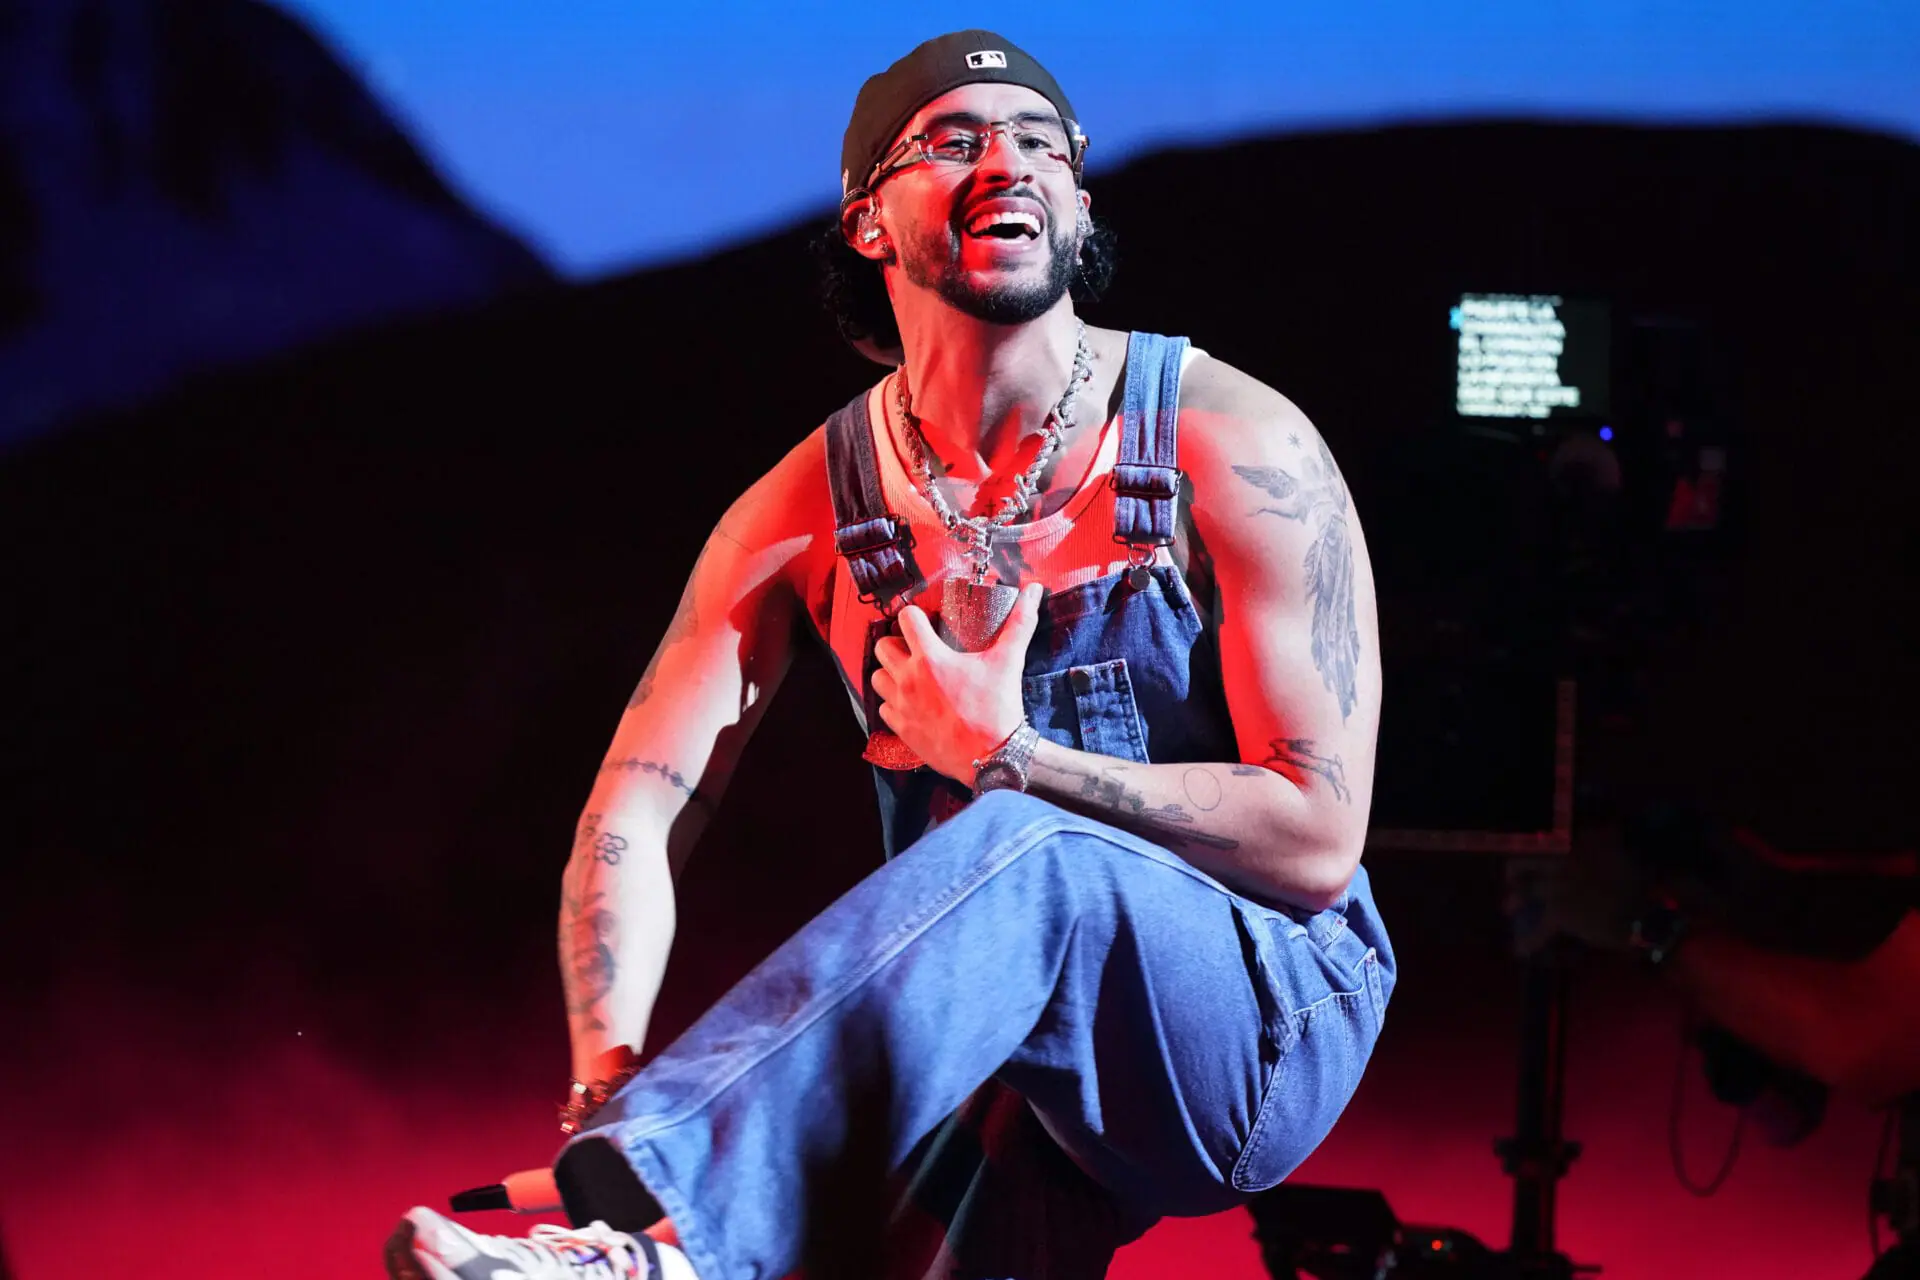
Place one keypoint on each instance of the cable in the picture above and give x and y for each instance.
(1879, 1171)
(1673, 1126)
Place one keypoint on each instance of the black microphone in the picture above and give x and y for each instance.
(529, 1191)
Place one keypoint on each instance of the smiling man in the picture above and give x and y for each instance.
(1103, 606)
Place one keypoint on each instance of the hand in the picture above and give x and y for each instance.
(1591, 894)
(950, 707)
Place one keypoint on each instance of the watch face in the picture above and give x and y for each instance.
(998, 776)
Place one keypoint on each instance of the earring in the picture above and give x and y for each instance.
(870, 235)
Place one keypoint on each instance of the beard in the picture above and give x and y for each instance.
(934, 264)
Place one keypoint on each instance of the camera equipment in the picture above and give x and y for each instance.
(1896, 1197)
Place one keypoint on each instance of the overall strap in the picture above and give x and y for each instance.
(876, 544)
(1146, 477)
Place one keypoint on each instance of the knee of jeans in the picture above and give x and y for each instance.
(998, 819)
(1000, 822)
(1010, 809)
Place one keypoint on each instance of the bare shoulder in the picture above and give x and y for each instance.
(1273, 510)
(788, 505)
(1231, 419)
(781, 528)
(1266, 488)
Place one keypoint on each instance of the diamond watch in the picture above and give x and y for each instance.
(1007, 766)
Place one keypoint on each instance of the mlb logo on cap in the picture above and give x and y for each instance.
(986, 58)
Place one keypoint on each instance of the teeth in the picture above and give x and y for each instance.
(1026, 221)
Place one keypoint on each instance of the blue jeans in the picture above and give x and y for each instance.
(1180, 1044)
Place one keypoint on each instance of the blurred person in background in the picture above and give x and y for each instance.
(1818, 972)
(1802, 974)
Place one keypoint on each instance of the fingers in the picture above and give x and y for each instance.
(885, 685)
(1025, 617)
(918, 630)
(890, 652)
(887, 717)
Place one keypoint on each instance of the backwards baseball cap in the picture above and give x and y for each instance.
(887, 101)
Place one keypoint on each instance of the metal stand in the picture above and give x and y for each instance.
(1537, 1156)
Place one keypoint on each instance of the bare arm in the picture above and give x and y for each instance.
(1299, 655)
(669, 762)
(1244, 824)
(1855, 1025)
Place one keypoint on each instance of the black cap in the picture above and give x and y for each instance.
(887, 101)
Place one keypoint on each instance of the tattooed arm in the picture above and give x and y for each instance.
(1299, 656)
(1247, 825)
(707, 686)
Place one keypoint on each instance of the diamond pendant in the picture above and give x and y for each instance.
(972, 613)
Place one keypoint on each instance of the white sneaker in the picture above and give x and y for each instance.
(426, 1246)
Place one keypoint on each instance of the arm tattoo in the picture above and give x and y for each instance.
(1298, 753)
(597, 845)
(591, 966)
(632, 764)
(1202, 788)
(1321, 502)
(589, 930)
(686, 621)
(1107, 791)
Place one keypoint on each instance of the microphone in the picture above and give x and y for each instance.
(528, 1191)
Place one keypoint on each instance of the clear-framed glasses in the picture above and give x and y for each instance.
(1048, 143)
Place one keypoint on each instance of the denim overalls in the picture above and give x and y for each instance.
(1046, 1031)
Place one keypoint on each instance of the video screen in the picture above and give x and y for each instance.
(1530, 356)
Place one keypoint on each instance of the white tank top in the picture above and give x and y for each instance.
(1063, 549)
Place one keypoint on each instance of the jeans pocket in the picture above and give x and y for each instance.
(1329, 1008)
(1376, 988)
(1088, 707)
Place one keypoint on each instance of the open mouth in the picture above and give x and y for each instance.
(1004, 224)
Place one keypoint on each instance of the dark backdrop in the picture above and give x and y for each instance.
(313, 662)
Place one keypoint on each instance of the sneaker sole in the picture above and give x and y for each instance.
(404, 1264)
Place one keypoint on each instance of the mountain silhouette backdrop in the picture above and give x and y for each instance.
(189, 184)
(315, 657)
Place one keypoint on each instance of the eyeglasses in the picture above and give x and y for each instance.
(1048, 143)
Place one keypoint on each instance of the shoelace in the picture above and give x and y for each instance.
(593, 1252)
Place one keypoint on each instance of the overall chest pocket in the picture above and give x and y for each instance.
(1088, 707)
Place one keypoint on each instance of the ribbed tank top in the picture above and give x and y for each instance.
(1063, 549)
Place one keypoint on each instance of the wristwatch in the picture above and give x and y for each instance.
(1008, 766)
(1658, 930)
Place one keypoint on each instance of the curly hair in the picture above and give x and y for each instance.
(854, 291)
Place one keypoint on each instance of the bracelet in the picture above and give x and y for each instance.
(584, 1097)
(1008, 766)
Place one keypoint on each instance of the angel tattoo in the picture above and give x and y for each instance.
(1320, 501)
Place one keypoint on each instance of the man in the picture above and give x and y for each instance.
(1802, 977)
(1122, 962)
(1756, 951)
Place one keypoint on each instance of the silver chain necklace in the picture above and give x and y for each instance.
(975, 533)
